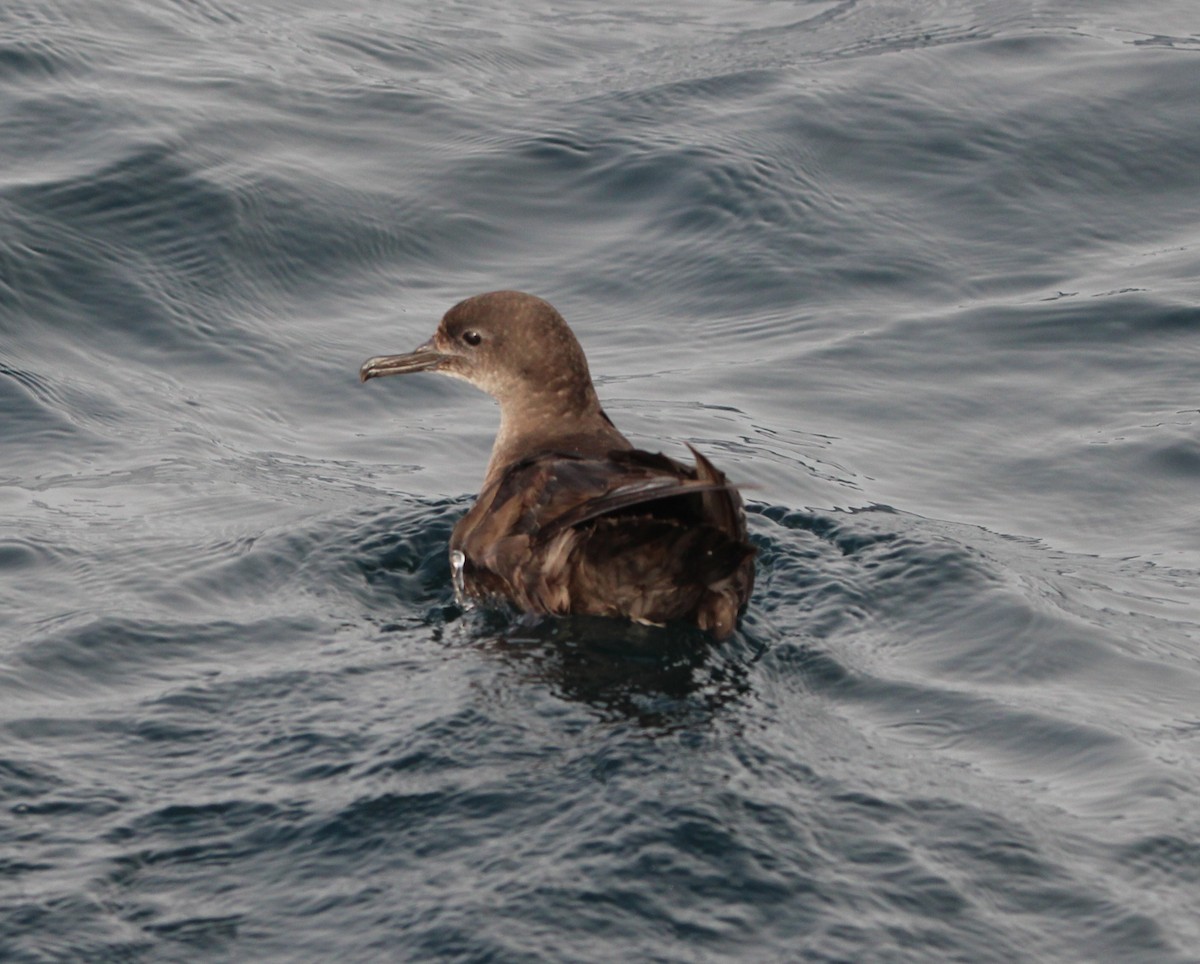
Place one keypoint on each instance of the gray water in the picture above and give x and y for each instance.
(924, 277)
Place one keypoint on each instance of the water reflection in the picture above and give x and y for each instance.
(660, 678)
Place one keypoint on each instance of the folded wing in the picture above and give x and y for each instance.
(633, 534)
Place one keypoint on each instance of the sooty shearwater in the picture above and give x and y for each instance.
(571, 517)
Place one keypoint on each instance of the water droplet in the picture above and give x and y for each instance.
(457, 561)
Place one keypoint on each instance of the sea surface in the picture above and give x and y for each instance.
(924, 277)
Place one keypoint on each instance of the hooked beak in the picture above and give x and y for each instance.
(426, 358)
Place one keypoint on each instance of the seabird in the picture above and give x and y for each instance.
(572, 518)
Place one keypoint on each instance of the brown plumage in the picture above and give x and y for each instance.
(571, 517)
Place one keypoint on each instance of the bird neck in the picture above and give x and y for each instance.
(552, 421)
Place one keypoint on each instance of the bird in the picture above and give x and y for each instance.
(572, 518)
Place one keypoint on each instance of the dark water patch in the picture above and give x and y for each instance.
(861, 565)
(323, 240)
(289, 572)
(60, 131)
(425, 825)
(200, 933)
(408, 555)
(388, 556)
(509, 831)
(789, 575)
(393, 51)
(1010, 871)
(632, 175)
(1044, 743)
(31, 59)
(110, 653)
(52, 411)
(149, 197)
(181, 843)
(80, 809)
(663, 679)
(95, 242)
(191, 821)
(922, 626)
(13, 869)
(816, 668)
(23, 779)
(1011, 425)
(45, 46)
(155, 246)
(52, 928)
(1162, 859)
(1084, 328)
(679, 99)
(457, 59)
(1180, 458)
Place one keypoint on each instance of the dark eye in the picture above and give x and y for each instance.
(472, 337)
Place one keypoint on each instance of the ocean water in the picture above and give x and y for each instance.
(925, 277)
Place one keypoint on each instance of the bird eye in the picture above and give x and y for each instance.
(472, 337)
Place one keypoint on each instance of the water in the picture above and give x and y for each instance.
(923, 275)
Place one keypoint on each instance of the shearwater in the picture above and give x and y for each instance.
(571, 517)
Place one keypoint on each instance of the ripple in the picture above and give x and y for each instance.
(241, 712)
(93, 656)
